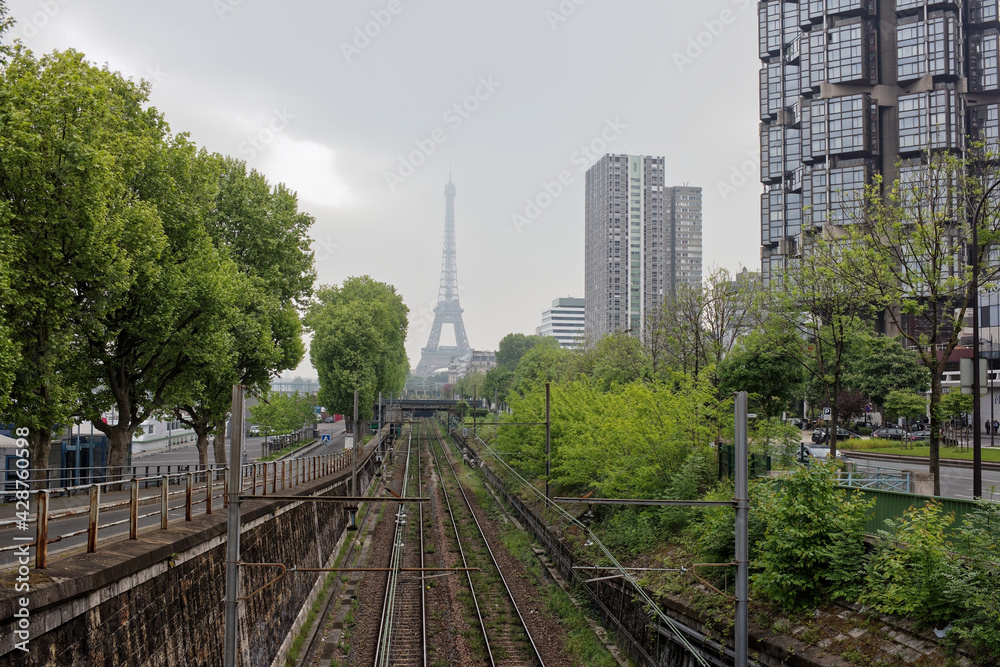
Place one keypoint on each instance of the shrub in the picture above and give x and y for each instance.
(974, 582)
(907, 571)
(814, 540)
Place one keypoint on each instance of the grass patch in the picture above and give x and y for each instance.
(918, 449)
(293, 653)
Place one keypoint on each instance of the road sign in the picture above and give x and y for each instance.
(348, 442)
(374, 427)
(325, 438)
(868, 408)
(827, 412)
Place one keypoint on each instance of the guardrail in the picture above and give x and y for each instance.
(876, 480)
(280, 475)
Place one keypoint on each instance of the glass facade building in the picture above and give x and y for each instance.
(854, 88)
(643, 238)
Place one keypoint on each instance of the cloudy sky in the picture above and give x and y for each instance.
(363, 106)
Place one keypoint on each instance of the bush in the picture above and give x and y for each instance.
(814, 540)
(974, 582)
(694, 478)
(907, 572)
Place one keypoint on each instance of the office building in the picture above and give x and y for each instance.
(564, 321)
(852, 88)
(643, 239)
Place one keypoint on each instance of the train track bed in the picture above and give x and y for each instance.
(453, 634)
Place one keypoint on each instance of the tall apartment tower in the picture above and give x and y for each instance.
(851, 88)
(643, 239)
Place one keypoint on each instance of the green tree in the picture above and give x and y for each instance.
(513, 346)
(906, 404)
(75, 141)
(260, 228)
(955, 403)
(358, 334)
(763, 369)
(545, 362)
(618, 358)
(875, 365)
(498, 382)
(279, 414)
(908, 248)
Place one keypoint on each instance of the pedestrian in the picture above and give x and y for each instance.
(987, 427)
(996, 426)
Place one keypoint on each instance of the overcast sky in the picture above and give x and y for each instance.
(362, 106)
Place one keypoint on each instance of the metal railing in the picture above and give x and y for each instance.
(876, 480)
(276, 475)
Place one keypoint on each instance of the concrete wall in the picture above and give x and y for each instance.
(159, 600)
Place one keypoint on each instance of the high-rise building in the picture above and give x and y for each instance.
(643, 239)
(564, 321)
(851, 88)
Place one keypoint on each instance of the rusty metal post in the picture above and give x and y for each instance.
(265, 480)
(94, 522)
(225, 489)
(283, 475)
(164, 502)
(274, 477)
(188, 493)
(314, 462)
(133, 511)
(42, 532)
(253, 479)
(208, 492)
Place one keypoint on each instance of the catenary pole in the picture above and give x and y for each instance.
(742, 514)
(233, 528)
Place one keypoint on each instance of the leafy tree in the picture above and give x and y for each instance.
(955, 403)
(498, 382)
(472, 384)
(513, 346)
(811, 301)
(358, 335)
(972, 588)
(617, 358)
(261, 230)
(732, 309)
(814, 545)
(75, 141)
(545, 362)
(278, 414)
(763, 369)
(876, 364)
(908, 250)
(907, 404)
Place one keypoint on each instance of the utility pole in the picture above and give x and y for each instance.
(740, 640)
(354, 449)
(548, 442)
(379, 434)
(233, 530)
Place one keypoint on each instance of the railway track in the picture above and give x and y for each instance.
(402, 637)
(506, 638)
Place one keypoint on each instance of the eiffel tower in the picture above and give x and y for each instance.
(448, 310)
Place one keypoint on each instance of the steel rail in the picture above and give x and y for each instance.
(496, 564)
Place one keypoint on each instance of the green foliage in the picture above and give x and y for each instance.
(513, 346)
(690, 482)
(715, 533)
(906, 572)
(617, 358)
(876, 364)
(814, 541)
(278, 414)
(955, 403)
(545, 362)
(779, 440)
(763, 368)
(358, 334)
(498, 381)
(972, 581)
(904, 403)
(629, 531)
(472, 384)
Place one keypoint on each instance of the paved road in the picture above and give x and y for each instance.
(186, 454)
(955, 482)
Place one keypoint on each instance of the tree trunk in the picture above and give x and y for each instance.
(201, 429)
(39, 445)
(219, 442)
(935, 447)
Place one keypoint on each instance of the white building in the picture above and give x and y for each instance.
(564, 321)
(643, 239)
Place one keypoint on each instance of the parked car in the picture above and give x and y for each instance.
(800, 422)
(254, 431)
(811, 452)
(889, 433)
(820, 435)
(920, 434)
(329, 420)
